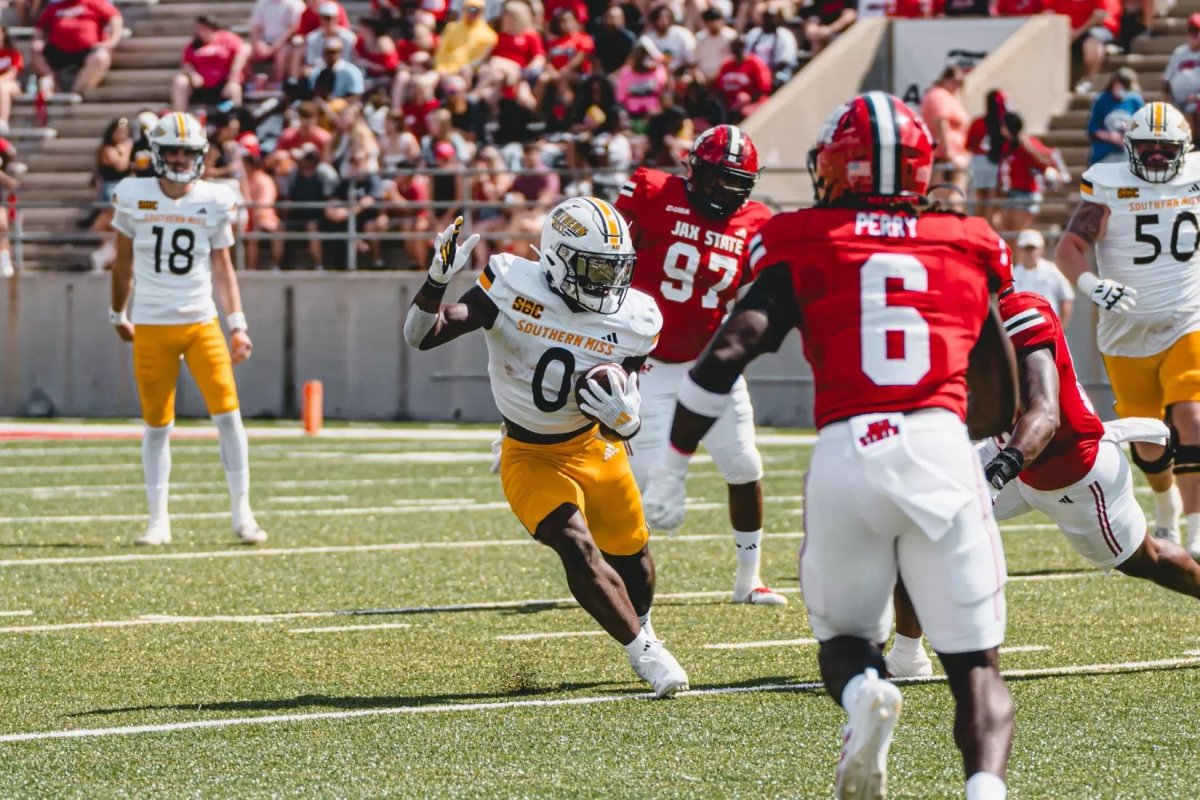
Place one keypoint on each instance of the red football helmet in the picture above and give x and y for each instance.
(722, 170)
(874, 148)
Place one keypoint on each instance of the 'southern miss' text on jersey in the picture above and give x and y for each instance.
(173, 242)
(1068, 458)
(692, 265)
(889, 304)
(538, 345)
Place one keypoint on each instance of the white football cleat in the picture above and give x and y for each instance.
(918, 666)
(1193, 544)
(1171, 535)
(662, 502)
(862, 770)
(155, 536)
(250, 533)
(761, 596)
(659, 668)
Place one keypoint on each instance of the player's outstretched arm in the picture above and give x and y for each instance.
(992, 379)
(757, 325)
(229, 295)
(122, 287)
(430, 324)
(1039, 418)
(1086, 227)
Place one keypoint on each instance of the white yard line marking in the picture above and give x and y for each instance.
(1025, 648)
(310, 498)
(414, 457)
(341, 628)
(528, 637)
(751, 645)
(25, 613)
(275, 719)
(284, 484)
(269, 512)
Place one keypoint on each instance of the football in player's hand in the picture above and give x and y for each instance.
(610, 377)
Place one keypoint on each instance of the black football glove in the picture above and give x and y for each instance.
(1004, 467)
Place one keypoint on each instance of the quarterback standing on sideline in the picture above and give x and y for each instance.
(1141, 217)
(174, 232)
(895, 310)
(547, 322)
(1060, 459)
(692, 240)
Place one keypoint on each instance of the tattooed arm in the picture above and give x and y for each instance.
(1084, 230)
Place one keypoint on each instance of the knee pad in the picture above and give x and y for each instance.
(1187, 458)
(1158, 465)
(743, 466)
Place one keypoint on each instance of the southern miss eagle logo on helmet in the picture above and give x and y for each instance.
(588, 254)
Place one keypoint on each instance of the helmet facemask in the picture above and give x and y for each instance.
(595, 281)
(1156, 160)
(719, 191)
(164, 170)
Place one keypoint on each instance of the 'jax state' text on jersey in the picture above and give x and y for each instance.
(889, 306)
(538, 344)
(691, 264)
(1150, 243)
(173, 242)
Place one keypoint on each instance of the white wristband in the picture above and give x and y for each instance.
(1087, 282)
(697, 399)
(118, 318)
(236, 321)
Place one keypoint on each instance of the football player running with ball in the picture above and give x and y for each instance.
(895, 310)
(174, 232)
(1060, 459)
(1141, 216)
(566, 479)
(692, 238)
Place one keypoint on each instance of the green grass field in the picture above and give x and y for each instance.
(332, 661)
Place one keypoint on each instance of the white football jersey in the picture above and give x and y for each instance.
(1150, 243)
(172, 245)
(538, 345)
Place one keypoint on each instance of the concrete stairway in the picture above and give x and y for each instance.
(1067, 132)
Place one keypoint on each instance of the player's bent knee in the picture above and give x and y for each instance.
(158, 419)
(630, 544)
(745, 466)
(1153, 466)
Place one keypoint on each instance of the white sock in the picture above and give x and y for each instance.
(907, 648)
(986, 786)
(235, 457)
(749, 555)
(156, 466)
(1168, 506)
(852, 689)
(647, 628)
(639, 645)
(1193, 526)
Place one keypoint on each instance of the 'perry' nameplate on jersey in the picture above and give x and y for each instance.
(538, 344)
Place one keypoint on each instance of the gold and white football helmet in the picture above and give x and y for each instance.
(587, 252)
(1157, 140)
(178, 132)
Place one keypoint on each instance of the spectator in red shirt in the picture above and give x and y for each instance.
(744, 81)
(517, 58)
(418, 108)
(569, 56)
(1094, 24)
(407, 198)
(308, 131)
(77, 35)
(1023, 174)
(551, 9)
(376, 53)
(310, 20)
(416, 61)
(11, 64)
(213, 63)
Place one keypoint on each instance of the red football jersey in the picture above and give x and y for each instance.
(1031, 323)
(890, 305)
(692, 265)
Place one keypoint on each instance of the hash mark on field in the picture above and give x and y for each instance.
(91, 733)
(459, 505)
(25, 613)
(1024, 648)
(768, 643)
(340, 628)
(285, 484)
(527, 637)
(310, 498)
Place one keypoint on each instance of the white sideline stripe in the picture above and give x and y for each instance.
(91, 733)
(285, 484)
(340, 628)
(310, 498)
(25, 613)
(528, 637)
(1025, 648)
(270, 512)
(768, 643)
(414, 457)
